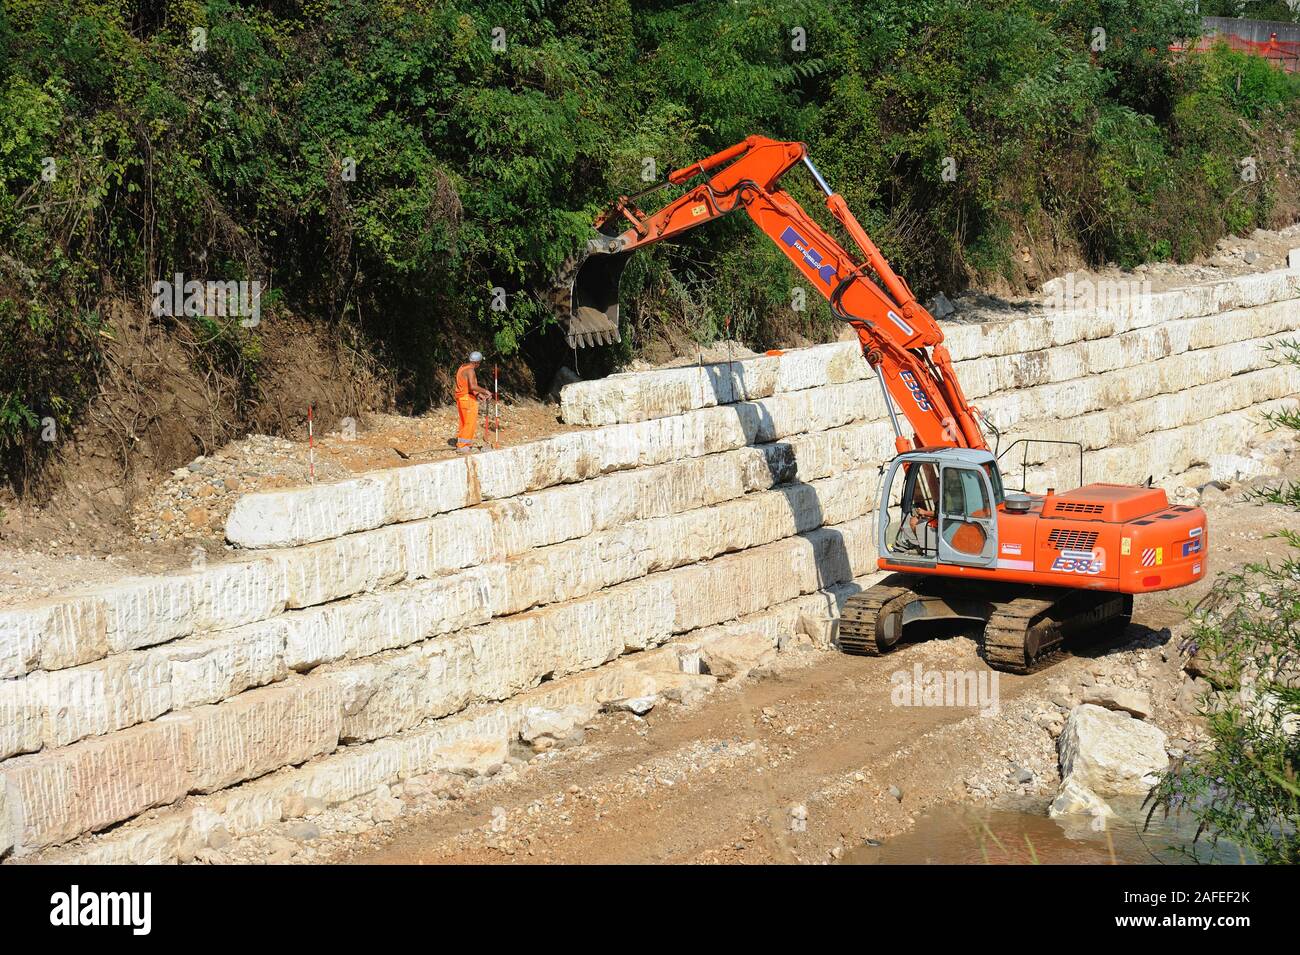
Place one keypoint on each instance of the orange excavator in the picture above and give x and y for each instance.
(1036, 570)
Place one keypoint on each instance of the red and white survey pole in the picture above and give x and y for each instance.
(311, 447)
(496, 409)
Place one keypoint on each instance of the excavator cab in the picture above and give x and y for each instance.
(941, 506)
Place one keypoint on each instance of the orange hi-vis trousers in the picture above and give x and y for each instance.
(467, 405)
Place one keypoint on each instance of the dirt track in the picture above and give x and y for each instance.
(717, 781)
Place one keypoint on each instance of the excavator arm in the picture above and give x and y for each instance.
(900, 339)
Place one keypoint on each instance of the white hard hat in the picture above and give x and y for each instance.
(475, 356)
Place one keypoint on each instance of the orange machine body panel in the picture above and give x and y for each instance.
(1098, 537)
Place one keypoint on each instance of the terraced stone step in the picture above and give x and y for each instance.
(54, 796)
(473, 742)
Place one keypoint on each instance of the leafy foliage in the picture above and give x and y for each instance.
(1246, 786)
(395, 167)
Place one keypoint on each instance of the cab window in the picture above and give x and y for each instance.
(963, 494)
(995, 482)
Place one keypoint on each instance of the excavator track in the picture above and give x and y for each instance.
(1028, 633)
(1020, 637)
(864, 627)
(1021, 634)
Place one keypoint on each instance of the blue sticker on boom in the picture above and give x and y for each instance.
(810, 255)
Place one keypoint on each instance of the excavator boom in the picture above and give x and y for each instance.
(900, 339)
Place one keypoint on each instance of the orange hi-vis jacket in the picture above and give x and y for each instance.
(462, 380)
(466, 407)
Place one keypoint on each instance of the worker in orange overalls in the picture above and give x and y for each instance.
(468, 393)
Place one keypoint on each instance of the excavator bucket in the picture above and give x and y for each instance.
(586, 297)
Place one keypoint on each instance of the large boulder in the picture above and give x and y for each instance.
(478, 755)
(1230, 468)
(542, 728)
(1109, 752)
(685, 687)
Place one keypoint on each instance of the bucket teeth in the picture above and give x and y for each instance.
(586, 297)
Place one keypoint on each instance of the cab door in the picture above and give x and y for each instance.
(968, 528)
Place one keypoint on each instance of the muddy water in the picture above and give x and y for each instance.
(1022, 833)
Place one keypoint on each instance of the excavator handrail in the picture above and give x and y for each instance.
(1024, 463)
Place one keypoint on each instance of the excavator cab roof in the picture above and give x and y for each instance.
(973, 456)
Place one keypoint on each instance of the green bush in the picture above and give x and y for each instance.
(1245, 786)
(1251, 85)
(479, 169)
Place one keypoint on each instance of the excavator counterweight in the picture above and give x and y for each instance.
(1035, 570)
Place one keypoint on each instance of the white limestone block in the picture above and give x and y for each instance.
(400, 690)
(21, 724)
(821, 365)
(520, 524)
(22, 632)
(52, 633)
(572, 569)
(449, 542)
(97, 698)
(667, 392)
(306, 514)
(641, 396)
(145, 611)
(327, 570)
(57, 795)
(214, 667)
(260, 731)
(235, 593)
(367, 625)
(415, 492)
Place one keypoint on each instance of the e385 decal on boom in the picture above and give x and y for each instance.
(918, 394)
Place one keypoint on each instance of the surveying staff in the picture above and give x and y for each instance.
(468, 393)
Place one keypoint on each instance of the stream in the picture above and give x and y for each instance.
(1020, 832)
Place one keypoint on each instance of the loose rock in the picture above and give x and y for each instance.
(1075, 799)
(1134, 702)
